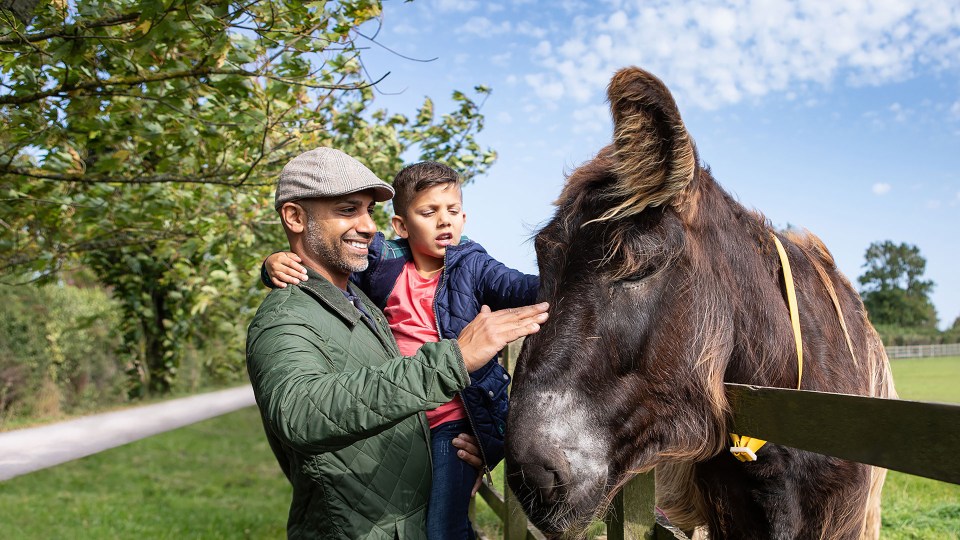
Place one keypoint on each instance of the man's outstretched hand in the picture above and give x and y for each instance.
(490, 332)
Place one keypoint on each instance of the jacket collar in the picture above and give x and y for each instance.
(400, 247)
(330, 295)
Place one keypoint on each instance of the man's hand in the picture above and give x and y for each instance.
(490, 331)
(469, 451)
(284, 267)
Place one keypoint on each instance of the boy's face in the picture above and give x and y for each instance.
(434, 220)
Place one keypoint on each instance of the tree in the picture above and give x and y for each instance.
(892, 289)
(143, 139)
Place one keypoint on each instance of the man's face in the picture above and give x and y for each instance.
(434, 220)
(339, 231)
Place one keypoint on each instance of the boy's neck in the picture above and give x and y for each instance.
(427, 266)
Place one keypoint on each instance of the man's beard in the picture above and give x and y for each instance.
(332, 251)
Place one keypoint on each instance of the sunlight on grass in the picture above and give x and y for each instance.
(214, 479)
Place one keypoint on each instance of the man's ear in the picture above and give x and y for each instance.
(399, 226)
(294, 217)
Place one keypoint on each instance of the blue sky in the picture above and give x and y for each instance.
(839, 117)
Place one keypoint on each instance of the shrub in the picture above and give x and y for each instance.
(895, 335)
(57, 351)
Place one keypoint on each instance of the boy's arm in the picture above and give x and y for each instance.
(285, 267)
(502, 287)
(281, 268)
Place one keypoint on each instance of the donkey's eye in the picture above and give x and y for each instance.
(639, 279)
(634, 282)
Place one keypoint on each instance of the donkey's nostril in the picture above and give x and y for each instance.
(541, 480)
(546, 483)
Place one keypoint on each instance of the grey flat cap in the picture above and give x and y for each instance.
(327, 172)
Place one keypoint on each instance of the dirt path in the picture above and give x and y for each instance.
(27, 450)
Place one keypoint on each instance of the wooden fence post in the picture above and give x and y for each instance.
(515, 522)
(631, 515)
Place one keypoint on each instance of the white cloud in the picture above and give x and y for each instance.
(737, 49)
(459, 6)
(484, 27)
(527, 29)
(501, 60)
(955, 110)
(881, 188)
(543, 49)
(404, 29)
(591, 119)
(899, 113)
(504, 117)
(543, 88)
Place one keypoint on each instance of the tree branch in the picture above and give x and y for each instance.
(14, 99)
(225, 179)
(71, 31)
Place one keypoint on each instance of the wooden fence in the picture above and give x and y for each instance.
(923, 351)
(914, 437)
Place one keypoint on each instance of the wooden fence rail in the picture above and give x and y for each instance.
(914, 437)
(923, 351)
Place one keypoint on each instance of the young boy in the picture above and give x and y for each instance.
(430, 283)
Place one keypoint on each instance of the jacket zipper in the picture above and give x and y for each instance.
(473, 425)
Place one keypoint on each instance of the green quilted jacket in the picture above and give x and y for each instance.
(343, 412)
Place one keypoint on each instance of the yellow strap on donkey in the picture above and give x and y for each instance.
(745, 448)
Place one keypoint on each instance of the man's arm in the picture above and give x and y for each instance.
(313, 408)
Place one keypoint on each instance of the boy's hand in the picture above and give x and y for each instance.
(284, 267)
(490, 331)
(469, 451)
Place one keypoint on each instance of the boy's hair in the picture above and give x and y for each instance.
(415, 178)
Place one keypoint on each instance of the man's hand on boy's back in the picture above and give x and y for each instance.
(490, 331)
(284, 267)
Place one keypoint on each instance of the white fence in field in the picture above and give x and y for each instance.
(923, 351)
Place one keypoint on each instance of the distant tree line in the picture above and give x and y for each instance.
(897, 297)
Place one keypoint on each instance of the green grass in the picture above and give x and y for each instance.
(218, 479)
(915, 507)
(214, 479)
(928, 379)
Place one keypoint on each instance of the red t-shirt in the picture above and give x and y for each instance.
(411, 318)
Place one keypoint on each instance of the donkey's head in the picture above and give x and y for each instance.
(629, 368)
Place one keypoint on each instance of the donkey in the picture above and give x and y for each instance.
(662, 288)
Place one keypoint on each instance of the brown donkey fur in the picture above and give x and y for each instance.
(662, 288)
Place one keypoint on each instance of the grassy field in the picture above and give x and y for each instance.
(214, 479)
(915, 507)
(218, 479)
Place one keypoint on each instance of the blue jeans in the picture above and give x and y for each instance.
(453, 479)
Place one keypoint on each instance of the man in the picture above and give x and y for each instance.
(342, 409)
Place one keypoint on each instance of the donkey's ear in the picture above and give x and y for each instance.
(654, 157)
